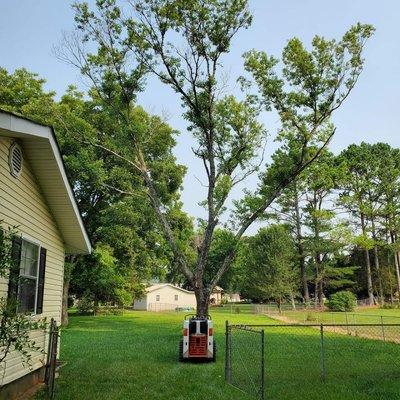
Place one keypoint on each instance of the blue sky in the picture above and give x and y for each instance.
(30, 28)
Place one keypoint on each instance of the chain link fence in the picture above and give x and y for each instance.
(265, 360)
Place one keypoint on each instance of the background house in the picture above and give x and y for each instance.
(36, 199)
(165, 296)
(233, 297)
(216, 296)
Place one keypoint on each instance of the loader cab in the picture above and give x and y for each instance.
(197, 343)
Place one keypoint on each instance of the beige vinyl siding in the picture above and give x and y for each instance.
(23, 205)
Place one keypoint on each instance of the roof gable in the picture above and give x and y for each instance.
(41, 150)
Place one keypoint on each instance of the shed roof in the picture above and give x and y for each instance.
(41, 149)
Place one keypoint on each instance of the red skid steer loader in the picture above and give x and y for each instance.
(197, 343)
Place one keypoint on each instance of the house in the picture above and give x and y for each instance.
(36, 199)
(164, 297)
(233, 297)
(216, 296)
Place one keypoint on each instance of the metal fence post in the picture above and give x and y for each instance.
(49, 350)
(51, 358)
(383, 329)
(262, 394)
(228, 359)
(323, 375)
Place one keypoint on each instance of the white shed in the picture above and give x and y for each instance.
(164, 297)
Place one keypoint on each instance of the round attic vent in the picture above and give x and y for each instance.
(15, 160)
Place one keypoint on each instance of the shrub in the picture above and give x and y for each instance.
(388, 306)
(107, 310)
(310, 317)
(85, 306)
(342, 301)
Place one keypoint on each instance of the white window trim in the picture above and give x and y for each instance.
(157, 297)
(35, 242)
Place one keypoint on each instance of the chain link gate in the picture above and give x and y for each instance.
(245, 351)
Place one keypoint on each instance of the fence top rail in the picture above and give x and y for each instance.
(250, 327)
(358, 314)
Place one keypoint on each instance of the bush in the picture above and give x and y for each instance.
(311, 317)
(342, 301)
(388, 306)
(107, 310)
(85, 306)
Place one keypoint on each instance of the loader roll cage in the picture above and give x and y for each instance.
(194, 316)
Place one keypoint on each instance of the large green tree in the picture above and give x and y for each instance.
(117, 220)
(369, 192)
(290, 209)
(357, 180)
(268, 266)
(327, 239)
(182, 43)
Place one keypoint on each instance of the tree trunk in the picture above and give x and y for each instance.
(376, 263)
(293, 301)
(64, 311)
(203, 302)
(68, 267)
(300, 249)
(390, 265)
(95, 307)
(378, 271)
(304, 282)
(279, 301)
(319, 294)
(397, 258)
(396, 262)
(367, 265)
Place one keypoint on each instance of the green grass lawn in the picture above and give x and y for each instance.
(134, 356)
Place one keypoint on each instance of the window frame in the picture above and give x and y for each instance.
(176, 297)
(28, 239)
(157, 297)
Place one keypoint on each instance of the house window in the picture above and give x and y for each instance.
(28, 277)
(176, 297)
(157, 297)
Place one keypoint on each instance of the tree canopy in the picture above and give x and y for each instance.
(182, 43)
